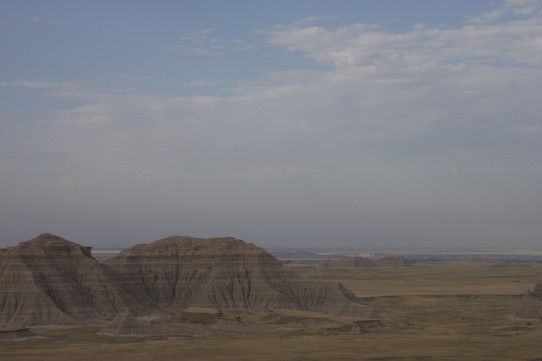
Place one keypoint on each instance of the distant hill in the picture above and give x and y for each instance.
(363, 262)
(303, 257)
(300, 255)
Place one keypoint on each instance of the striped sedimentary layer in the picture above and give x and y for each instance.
(49, 280)
(225, 273)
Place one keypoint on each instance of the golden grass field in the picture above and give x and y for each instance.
(459, 310)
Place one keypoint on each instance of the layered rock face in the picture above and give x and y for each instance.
(531, 305)
(224, 273)
(49, 280)
(362, 262)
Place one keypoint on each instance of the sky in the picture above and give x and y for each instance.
(305, 123)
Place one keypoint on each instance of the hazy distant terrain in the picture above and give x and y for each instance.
(316, 255)
(412, 254)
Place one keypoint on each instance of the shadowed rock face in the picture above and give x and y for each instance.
(224, 273)
(531, 305)
(362, 262)
(49, 280)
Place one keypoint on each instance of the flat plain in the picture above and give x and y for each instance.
(459, 310)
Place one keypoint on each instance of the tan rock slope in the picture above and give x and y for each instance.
(225, 273)
(362, 262)
(49, 280)
(531, 305)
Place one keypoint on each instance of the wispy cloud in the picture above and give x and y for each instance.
(435, 93)
(360, 46)
(200, 36)
(310, 20)
(202, 83)
(439, 93)
(41, 85)
(205, 42)
(510, 7)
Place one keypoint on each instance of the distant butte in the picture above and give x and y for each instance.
(531, 304)
(51, 281)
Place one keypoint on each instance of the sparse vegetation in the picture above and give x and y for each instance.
(433, 311)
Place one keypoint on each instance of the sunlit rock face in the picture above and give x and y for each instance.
(224, 273)
(49, 280)
(531, 305)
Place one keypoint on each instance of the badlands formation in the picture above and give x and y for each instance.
(531, 305)
(51, 281)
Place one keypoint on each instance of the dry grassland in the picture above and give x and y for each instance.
(433, 311)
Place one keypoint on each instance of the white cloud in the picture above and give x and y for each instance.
(204, 42)
(436, 93)
(510, 7)
(199, 36)
(363, 46)
(309, 20)
(523, 7)
(489, 16)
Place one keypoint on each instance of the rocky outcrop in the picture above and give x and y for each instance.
(231, 323)
(363, 262)
(224, 273)
(125, 324)
(49, 280)
(198, 318)
(531, 304)
(355, 328)
(14, 332)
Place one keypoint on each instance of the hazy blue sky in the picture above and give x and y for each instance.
(303, 123)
